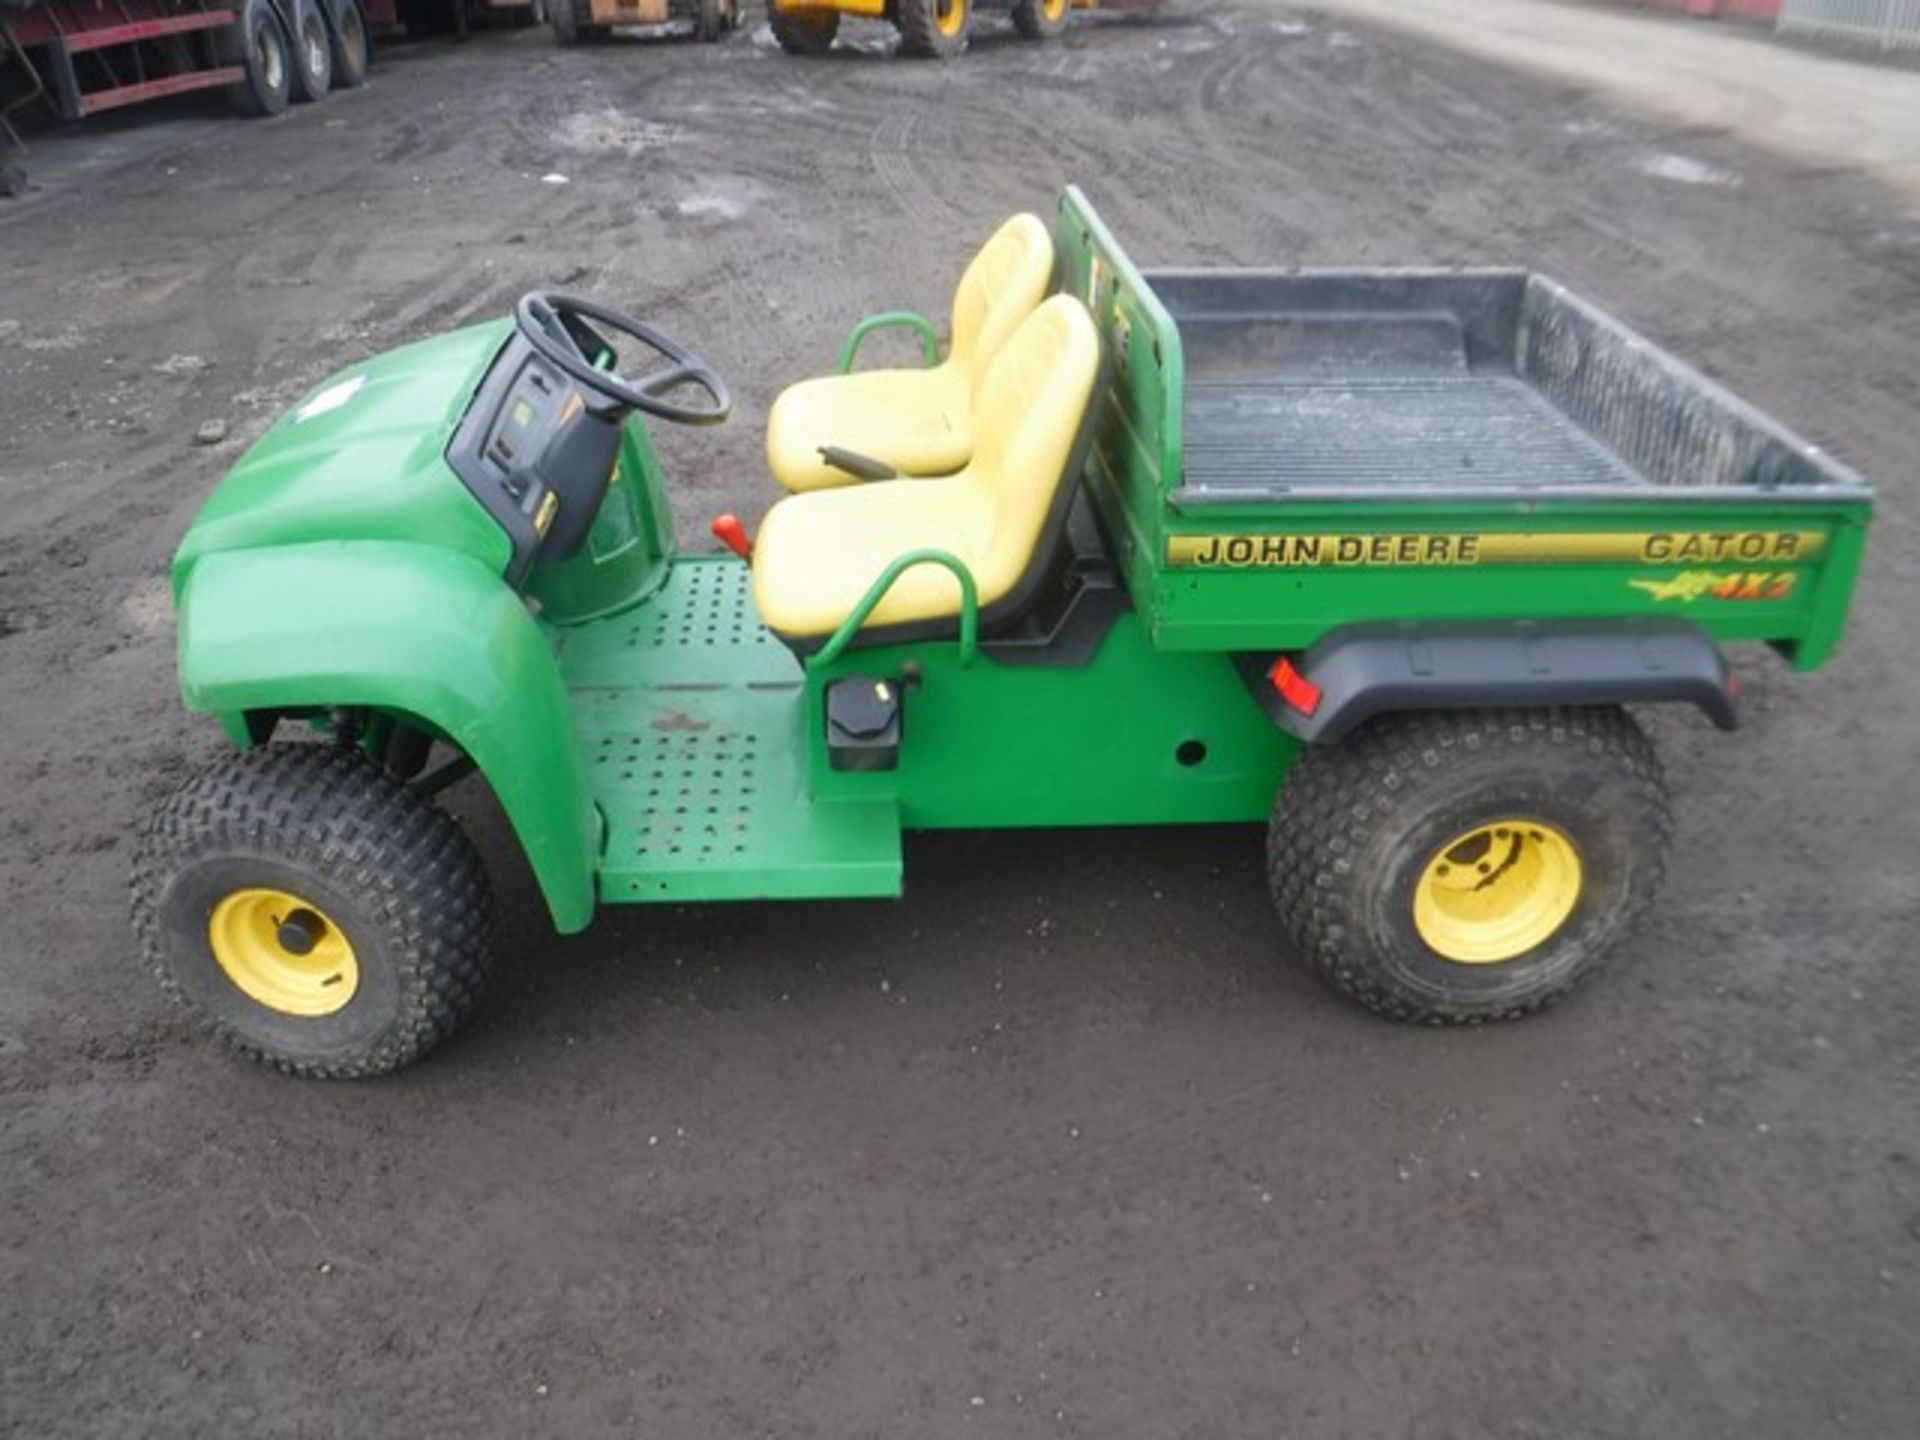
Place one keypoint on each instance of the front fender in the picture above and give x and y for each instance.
(410, 628)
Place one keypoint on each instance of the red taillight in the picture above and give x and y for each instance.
(1293, 687)
(731, 533)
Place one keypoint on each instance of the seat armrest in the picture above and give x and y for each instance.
(969, 606)
(861, 467)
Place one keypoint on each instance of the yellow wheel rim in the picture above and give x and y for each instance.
(284, 952)
(950, 16)
(1497, 891)
(1053, 9)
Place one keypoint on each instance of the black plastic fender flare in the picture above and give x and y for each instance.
(1359, 671)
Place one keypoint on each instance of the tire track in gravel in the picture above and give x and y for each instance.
(890, 153)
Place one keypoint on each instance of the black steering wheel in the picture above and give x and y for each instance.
(557, 325)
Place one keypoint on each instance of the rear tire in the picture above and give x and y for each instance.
(803, 32)
(933, 29)
(392, 937)
(1452, 868)
(711, 23)
(259, 46)
(352, 48)
(312, 57)
(1041, 19)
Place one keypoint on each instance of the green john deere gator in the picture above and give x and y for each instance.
(1377, 558)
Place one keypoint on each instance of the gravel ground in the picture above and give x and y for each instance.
(1062, 1144)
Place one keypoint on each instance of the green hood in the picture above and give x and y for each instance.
(362, 457)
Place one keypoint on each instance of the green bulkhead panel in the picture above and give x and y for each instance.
(1137, 444)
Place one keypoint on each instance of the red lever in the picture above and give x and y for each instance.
(731, 533)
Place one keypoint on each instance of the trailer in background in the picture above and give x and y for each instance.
(84, 57)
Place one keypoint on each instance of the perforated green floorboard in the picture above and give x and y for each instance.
(690, 714)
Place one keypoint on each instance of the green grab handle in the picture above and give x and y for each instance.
(892, 319)
(876, 592)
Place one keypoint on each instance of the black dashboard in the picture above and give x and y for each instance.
(538, 454)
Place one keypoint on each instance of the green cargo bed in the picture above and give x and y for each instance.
(1284, 451)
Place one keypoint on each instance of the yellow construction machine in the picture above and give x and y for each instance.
(930, 28)
(578, 22)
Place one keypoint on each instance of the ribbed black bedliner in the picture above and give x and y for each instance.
(1455, 430)
(1377, 384)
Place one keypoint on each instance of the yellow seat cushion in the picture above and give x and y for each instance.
(920, 422)
(818, 553)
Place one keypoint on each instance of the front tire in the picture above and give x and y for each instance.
(933, 29)
(1460, 867)
(315, 914)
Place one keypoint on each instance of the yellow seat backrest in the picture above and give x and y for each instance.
(1026, 419)
(818, 552)
(1006, 280)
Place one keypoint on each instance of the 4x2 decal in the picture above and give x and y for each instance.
(1722, 585)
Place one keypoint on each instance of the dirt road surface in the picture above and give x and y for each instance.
(1062, 1144)
(1823, 108)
